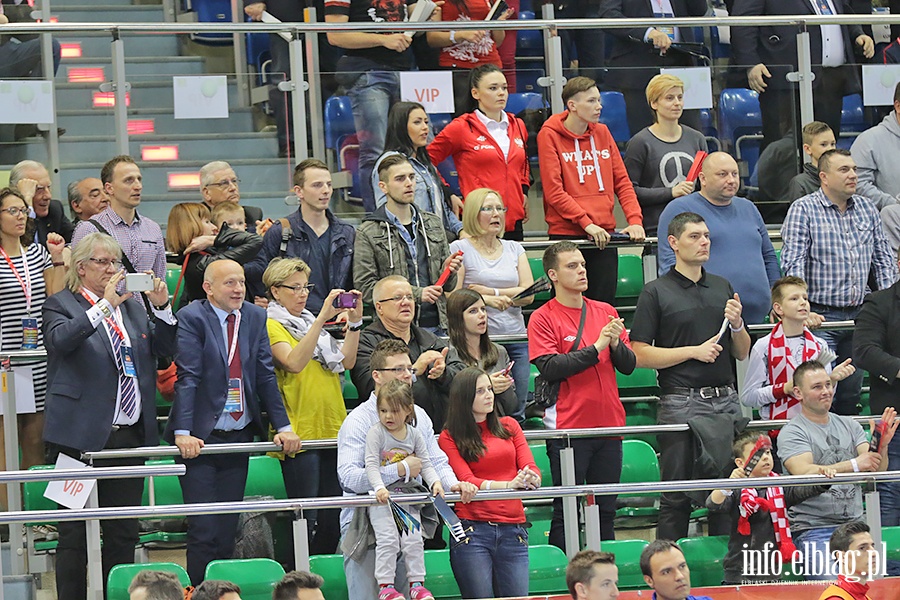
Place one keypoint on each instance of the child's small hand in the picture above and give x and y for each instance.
(437, 489)
(828, 472)
(382, 495)
(737, 473)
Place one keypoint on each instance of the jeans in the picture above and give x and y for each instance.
(846, 396)
(521, 373)
(596, 461)
(23, 59)
(890, 499)
(676, 461)
(361, 584)
(371, 97)
(813, 563)
(492, 562)
(313, 474)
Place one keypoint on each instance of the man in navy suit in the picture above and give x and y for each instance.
(101, 391)
(225, 379)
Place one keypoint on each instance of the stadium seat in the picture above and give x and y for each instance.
(331, 568)
(708, 129)
(349, 390)
(264, 478)
(853, 118)
(740, 121)
(120, 577)
(212, 11)
(173, 272)
(891, 538)
(631, 279)
(541, 460)
(439, 121)
(537, 271)
(641, 382)
(529, 43)
(614, 116)
(704, 556)
(547, 570)
(516, 103)
(256, 576)
(447, 169)
(439, 577)
(340, 138)
(639, 465)
(259, 55)
(539, 516)
(628, 559)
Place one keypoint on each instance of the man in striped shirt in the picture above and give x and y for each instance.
(834, 240)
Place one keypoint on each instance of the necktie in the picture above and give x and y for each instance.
(234, 368)
(126, 384)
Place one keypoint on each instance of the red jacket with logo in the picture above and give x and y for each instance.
(480, 161)
(582, 175)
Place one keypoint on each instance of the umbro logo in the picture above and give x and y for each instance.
(569, 338)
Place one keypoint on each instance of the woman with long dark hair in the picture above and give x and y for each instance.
(488, 147)
(408, 130)
(492, 453)
(467, 320)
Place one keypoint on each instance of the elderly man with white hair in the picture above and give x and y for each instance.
(32, 180)
(219, 183)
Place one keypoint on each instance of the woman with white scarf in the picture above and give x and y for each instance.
(309, 363)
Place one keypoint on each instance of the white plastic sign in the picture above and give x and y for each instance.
(71, 493)
(26, 101)
(201, 97)
(431, 89)
(697, 86)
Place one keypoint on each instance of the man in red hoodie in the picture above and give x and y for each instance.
(582, 173)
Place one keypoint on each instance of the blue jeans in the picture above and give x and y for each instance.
(890, 499)
(23, 59)
(492, 562)
(521, 373)
(846, 396)
(371, 97)
(817, 540)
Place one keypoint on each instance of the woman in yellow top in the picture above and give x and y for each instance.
(309, 363)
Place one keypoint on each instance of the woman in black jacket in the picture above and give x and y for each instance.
(197, 241)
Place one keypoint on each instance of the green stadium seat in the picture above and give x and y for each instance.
(256, 576)
(539, 516)
(639, 465)
(439, 577)
(641, 382)
(166, 490)
(173, 272)
(533, 423)
(121, 575)
(631, 279)
(264, 478)
(331, 568)
(704, 557)
(537, 270)
(628, 559)
(541, 460)
(532, 373)
(349, 390)
(547, 570)
(891, 537)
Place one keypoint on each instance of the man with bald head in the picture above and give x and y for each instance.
(225, 380)
(87, 198)
(32, 180)
(741, 251)
(219, 183)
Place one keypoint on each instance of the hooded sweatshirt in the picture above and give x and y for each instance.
(582, 175)
(875, 153)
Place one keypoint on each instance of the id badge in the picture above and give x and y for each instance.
(669, 30)
(29, 334)
(234, 401)
(128, 361)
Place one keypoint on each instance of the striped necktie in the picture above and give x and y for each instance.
(126, 384)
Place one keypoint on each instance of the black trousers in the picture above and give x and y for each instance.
(596, 461)
(214, 478)
(119, 535)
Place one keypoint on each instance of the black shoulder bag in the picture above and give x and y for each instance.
(546, 392)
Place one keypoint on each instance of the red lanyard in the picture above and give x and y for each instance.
(234, 337)
(109, 320)
(25, 283)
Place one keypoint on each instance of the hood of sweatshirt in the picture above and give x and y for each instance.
(891, 124)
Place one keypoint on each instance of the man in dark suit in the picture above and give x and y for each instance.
(32, 180)
(219, 183)
(225, 380)
(638, 53)
(876, 348)
(101, 391)
(769, 53)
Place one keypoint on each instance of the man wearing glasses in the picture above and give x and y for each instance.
(395, 311)
(390, 360)
(32, 180)
(219, 183)
(400, 239)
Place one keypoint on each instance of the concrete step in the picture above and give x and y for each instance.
(138, 68)
(100, 122)
(103, 13)
(99, 44)
(59, 4)
(144, 94)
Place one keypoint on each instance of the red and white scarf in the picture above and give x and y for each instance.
(781, 367)
(774, 503)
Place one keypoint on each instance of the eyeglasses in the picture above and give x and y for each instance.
(399, 370)
(104, 263)
(407, 297)
(225, 183)
(15, 211)
(299, 289)
(493, 209)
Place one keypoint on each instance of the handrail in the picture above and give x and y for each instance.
(301, 504)
(331, 443)
(93, 473)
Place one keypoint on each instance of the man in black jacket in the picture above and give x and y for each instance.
(32, 180)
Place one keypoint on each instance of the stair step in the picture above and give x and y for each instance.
(99, 44)
(144, 94)
(141, 67)
(90, 13)
(60, 4)
(94, 122)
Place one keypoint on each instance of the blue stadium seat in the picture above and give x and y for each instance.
(447, 169)
(613, 115)
(527, 75)
(529, 42)
(516, 103)
(708, 129)
(439, 121)
(853, 118)
(211, 11)
(340, 138)
(740, 121)
(259, 55)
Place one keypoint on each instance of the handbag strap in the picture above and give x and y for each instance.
(580, 325)
(180, 277)
(128, 267)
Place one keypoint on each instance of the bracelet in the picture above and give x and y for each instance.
(855, 465)
(496, 292)
(405, 468)
(727, 493)
(452, 37)
(58, 264)
(163, 307)
(738, 329)
(355, 326)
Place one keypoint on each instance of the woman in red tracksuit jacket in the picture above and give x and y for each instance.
(488, 147)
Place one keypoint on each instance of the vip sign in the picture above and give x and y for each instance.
(431, 89)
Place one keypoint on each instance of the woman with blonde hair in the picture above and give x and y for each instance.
(498, 270)
(659, 157)
(191, 234)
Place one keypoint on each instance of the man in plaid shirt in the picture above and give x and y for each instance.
(834, 240)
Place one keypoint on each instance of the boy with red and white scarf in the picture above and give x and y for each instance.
(759, 517)
(768, 383)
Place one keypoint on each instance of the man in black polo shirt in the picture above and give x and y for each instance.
(676, 331)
